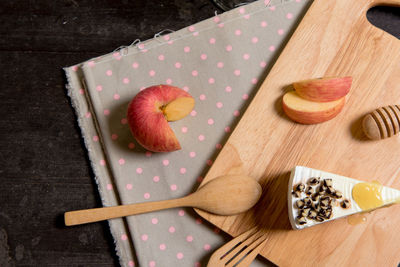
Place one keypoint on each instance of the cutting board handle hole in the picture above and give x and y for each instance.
(386, 18)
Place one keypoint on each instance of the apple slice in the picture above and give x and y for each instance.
(149, 113)
(310, 112)
(323, 89)
(178, 108)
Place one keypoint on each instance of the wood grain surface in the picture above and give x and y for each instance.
(333, 39)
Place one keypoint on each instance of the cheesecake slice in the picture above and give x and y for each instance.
(316, 197)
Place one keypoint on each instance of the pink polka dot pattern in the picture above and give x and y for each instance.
(81, 91)
(144, 237)
(91, 64)
(131, 264)
(102, 162)
(197, 264)
(222, 68)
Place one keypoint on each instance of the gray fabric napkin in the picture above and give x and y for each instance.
(221, 62)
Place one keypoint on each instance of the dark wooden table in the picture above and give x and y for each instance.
(44, 169)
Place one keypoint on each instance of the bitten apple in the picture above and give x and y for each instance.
(323, 89)
(149, 113)
(309, 112)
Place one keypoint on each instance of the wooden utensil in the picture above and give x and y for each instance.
(226, 195)
(382, 123)
(333, 39)
(240, 251)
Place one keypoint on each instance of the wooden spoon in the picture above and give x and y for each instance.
(225, 195)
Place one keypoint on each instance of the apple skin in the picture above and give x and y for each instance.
(147, 121)
(309, 112)
(323, 89)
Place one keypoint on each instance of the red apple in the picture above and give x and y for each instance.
(323, 89)
(149, 113)
(309, 112)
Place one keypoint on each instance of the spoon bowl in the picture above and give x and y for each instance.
(224, 195)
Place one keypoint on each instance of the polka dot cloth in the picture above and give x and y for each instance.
(220, 62)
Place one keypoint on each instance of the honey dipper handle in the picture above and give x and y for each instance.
(382, 123)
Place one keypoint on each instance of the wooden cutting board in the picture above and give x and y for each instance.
(333, 39)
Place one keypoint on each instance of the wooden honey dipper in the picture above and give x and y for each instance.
(382, 122)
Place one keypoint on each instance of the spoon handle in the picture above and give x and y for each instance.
(105, 213)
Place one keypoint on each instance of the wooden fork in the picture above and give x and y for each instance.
(239, 252)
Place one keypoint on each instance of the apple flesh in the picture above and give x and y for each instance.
(323, 89)
(149, 113)
(309, 112)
